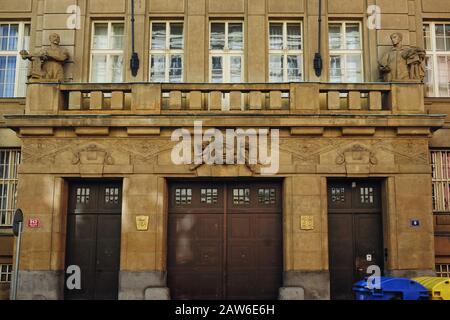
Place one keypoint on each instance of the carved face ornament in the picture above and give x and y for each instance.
(54, 39)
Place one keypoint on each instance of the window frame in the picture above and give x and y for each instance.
(10, 183)
(21, 65)
(167, 52)
(226, 53)
(345, 52)
(8, 273)
(285, 52)
(108, 52)
(439, 182)
(433, 53)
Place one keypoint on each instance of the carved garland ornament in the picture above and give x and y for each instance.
(92, 155)
(357, 153)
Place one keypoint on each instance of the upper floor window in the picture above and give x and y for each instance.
(166, 52)
(9, 161)
(14, 37)
(437, 44)
(226, 52)
(345, 45)
(107, 52)
(285, 52)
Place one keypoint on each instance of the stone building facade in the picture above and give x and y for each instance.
(360, 179)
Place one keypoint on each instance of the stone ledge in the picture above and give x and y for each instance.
(291, 293)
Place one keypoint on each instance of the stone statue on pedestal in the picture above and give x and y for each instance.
(48, 64)
(402, 63)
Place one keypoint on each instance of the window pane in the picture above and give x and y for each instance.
(26, 37)
(335, 69)
(4, 33)
(13, 37)
(176, 68)
(217, 36)
(443, 69)
(99, 68)
(440, 37)
(353, 68)
(447, 37)
(335, 36)
(100, 36)
(276, 68)
(294, 65)
(235, 69)
(294, 37)
(353, 38)
(235, 39)
(276, 36)
(217, 69)
(7, 76)
(176, 36)
(117, 68)
(158, 36)
(117, 36)
(158, 67)
(427, 36)
(429, 83)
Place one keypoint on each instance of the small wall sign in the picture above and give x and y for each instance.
(307, 223)
(142, 223)
(34, 223)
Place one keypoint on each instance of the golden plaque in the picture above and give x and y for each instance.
(142, 223)
(307, 223)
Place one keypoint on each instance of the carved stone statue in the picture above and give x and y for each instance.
(48, 64)
(402, 63)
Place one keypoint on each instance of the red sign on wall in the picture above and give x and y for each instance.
(34, 223)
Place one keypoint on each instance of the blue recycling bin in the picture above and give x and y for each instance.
(391, 288)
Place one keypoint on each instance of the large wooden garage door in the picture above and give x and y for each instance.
(93, 239)
(224, 240)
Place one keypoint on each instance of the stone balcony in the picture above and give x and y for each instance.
(308, 109)
(289, 98)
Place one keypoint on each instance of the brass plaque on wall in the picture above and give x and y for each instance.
(142, 223)
(307, 222)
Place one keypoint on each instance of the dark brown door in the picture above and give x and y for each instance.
(224, 240)
(355, 233)
(93, 238)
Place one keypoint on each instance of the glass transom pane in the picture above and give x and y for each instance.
(217, 41)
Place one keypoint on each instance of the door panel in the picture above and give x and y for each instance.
(341, 255)
(355, 233)
(93, 239)
(195, 256)
(233, 240)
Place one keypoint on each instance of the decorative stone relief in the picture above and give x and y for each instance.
(92, 155)
(357, 154)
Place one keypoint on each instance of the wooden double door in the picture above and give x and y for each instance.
(224, 240)
(93, 239)
(355, 233)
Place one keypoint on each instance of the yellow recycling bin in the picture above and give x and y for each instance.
(439, 287)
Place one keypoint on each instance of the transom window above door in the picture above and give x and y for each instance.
(226, 51)
(437, 45)
(166, 51)
(107, 48)
(345, 46)
(285, 52)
